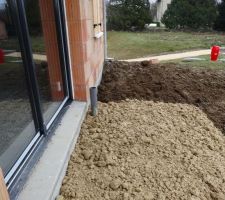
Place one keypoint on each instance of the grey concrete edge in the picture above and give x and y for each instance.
(46, 178)
(99, 79)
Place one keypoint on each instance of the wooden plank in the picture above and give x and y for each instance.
(3, 190)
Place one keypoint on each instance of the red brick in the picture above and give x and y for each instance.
(87, 53)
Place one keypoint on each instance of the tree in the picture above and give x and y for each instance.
(191, 14)
(128, 14)
(220, 21)
(33, 16)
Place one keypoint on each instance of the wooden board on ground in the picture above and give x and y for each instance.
(3, 190)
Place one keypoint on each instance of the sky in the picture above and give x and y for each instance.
(2, 2)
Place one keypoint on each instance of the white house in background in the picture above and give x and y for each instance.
(161, 6)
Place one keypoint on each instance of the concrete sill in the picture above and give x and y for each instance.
(98, 35)
(46, 177)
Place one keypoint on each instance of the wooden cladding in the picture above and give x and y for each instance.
(3, 190)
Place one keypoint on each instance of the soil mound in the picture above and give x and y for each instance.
(204, 88)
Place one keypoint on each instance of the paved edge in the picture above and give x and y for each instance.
(46, 178)
(35, 56)
(173, 56)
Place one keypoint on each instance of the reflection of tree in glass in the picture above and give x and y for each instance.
(33, 16)
(8, 35)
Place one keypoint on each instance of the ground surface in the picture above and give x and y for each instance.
(204, 88)
(157, 145)
(145, 150)
(206, 63)
(129, 45)
(15, 110)
(37, 43)
(173, 56)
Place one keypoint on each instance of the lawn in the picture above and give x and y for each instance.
(126, 45)
(38, 45)
(206, 63)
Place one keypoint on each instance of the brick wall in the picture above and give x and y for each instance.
(86, 51)
(51, 47)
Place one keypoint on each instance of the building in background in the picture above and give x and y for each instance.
(3, 32)
(161, 7)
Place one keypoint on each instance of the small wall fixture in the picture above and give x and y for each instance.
(99, 35)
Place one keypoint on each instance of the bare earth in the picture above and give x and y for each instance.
(147, 150)
(159, 135)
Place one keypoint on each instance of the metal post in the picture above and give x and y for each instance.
(94, 100)
(27, 55)
(105, 29)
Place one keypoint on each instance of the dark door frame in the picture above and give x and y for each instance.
(17, 10)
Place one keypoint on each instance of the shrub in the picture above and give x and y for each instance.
(220, 21)
(128, 14)
(191, 14)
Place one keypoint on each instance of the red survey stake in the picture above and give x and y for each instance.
(2, 59)
(215, 52)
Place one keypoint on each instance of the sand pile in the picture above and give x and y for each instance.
(145, 150)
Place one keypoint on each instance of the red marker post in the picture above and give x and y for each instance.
(2, 57)
(215, 52)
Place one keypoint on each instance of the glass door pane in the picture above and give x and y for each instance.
(16, 123)
(43, 36)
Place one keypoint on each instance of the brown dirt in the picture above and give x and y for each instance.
(204, 88)
(158, 146)
(145, 150)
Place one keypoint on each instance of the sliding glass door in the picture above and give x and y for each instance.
(16, 120)
(33, 76)
(42, 27)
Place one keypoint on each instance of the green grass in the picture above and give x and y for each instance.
(38, 45)
(10, 44)
(126, 45)
(207, 63)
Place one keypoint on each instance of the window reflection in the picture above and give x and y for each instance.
(16, 123)
(42, 29)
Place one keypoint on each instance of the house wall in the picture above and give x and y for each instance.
(51, 47)
(161, 9)
(86, 51)
(3, 32)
